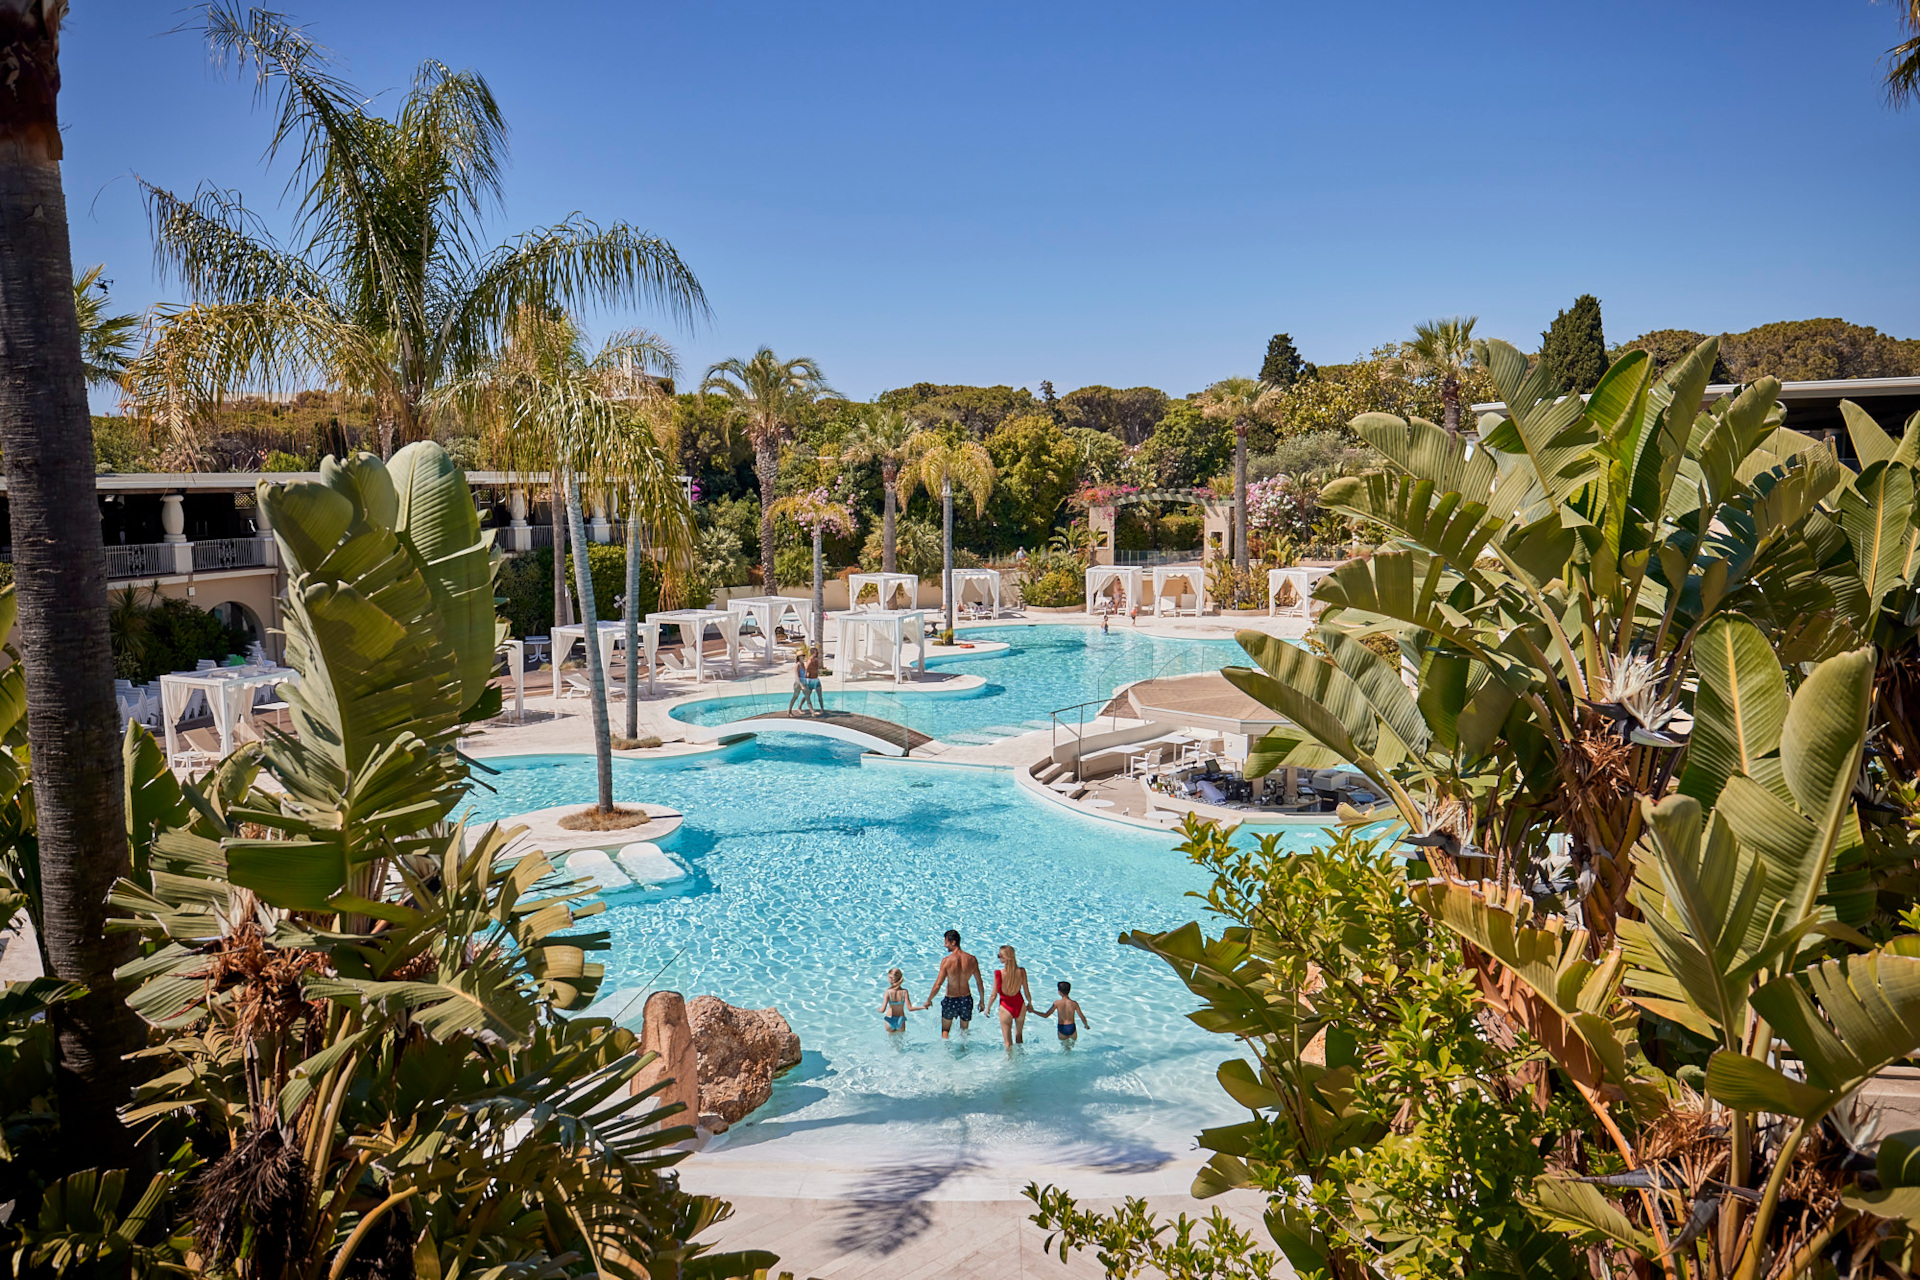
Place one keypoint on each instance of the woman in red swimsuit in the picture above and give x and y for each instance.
(1010, 986)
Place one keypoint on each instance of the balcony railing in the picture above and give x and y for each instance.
(140, 560)
(229, 553)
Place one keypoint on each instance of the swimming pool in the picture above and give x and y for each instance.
(813, 874)
(1045, 668)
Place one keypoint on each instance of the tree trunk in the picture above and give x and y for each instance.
(562, 600)
(631, 613)
(61, 575)
(596, 674)
(1239, 504)
(890, 477)
(819, 591)
(946, 549)
(766, 463)
(1450, 404)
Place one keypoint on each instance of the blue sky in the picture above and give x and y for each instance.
(1115, 193)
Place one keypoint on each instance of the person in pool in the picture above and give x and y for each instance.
(1068, 1017)
(800, 693)
(959, 972)
(896, 1004)
(1010, 988)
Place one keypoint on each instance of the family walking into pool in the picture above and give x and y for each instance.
(960, 974)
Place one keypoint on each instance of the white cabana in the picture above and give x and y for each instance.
(1303, 581)
(885, 584)
(769, 612)
(987, 580)
(229, 693)
(856, 652)
(1192, 576)
(1099, 576)
(693, 624)
(611, 634)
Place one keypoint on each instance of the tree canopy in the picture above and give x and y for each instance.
(1574, 347)
(1283, 366)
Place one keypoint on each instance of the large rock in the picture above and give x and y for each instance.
(740, 1050)
(666, 1032)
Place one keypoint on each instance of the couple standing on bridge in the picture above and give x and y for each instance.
(806, 682)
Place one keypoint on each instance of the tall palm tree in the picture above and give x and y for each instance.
(886, 438)
(60, 570)
(940, 462)
(817, 512)
(387, 287)
(545, 398)
(1243, 401)
(1903, 60)
(106, 342)
(1443, 348)
(768, 392)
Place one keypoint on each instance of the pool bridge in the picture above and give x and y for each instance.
(871, 732)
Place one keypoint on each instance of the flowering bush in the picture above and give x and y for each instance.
(1103, 495)
(1280, 506)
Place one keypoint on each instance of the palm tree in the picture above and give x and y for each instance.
(886, 438)
(1903, 60)
(1443, 348)
(546, 399)
(818, 512)
(939, 462)
(60, 570)
(386, 288)
(1243, 401)
(769, 392)
(106, 342)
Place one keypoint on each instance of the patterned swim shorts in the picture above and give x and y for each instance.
(956, 1008)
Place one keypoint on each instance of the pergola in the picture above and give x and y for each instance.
(885, 584)
(856, 629)
(769, 612)
(1192, 575)
(959, 579)
(693, 624)
(1100, 575)
(611, 634)
(1303, 581)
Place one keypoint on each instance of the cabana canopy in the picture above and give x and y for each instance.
(1194, 577)
(884, 583)
(1303, 581)
(856, 631)
(987, 578)
(611, 634)
(769, 612)
(1127, 575)
(693, 624)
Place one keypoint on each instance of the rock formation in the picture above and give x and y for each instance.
(666, 1032)
(740, 1052)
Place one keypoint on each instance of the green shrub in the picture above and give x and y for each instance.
(524, 587)
(1177, 532)
(154, 635)
(740, 516)
(1056, 589)
(119, 444)
(722, 561)
(281, 460)
(793, 566)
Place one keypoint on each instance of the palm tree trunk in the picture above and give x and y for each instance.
(61, 572)
(889, 478)
(631, 614)
(946, 549)
(819, 591)
(562, 601)
(596, 674)
(1239, 504)
(1450, 404)
(766, 463)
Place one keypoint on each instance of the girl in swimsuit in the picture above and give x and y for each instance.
(897, 1004)
(1010, 986)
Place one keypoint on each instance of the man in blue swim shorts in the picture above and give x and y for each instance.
(958, 972)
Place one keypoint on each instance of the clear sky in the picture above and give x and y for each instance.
(1115, 193)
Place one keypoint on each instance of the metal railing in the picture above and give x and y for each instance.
(229, 553)
(1147, 559)
(140, 560)
(539, 535)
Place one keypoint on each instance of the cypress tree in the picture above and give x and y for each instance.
(1573, 346)
(1283, 366)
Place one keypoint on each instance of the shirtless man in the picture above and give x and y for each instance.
(957, 971)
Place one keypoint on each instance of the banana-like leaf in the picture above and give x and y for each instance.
(436, 521)
(1428, 452)
(1400, 586)
(1845, 1021)
(1381, 683)
(1582, 1208)
(1877, 513)
(154, 800)
(1738, 712)
(1440, 523)
(1556, 434)
(1310, 691)
(1871, 443)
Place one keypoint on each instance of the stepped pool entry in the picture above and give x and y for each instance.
(810, 873)
(1045, 669)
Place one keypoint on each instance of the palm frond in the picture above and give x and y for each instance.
(106, 342)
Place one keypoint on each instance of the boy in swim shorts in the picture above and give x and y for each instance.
(1068, 1017)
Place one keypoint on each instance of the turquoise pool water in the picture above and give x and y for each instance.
(1046, 668)
(814, 874)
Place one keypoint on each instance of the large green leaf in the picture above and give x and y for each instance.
(437, 523)
(1439, 522)
(1381, 682)
(1582, 1208)
(1738, 712)
(1877, 513)
(1871, 444)
(1429, 452)
(1310, 691)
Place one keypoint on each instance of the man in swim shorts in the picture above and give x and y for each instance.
(957, 971)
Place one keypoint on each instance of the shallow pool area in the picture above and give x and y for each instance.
(1044, 669)
(814, 873)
